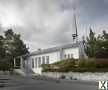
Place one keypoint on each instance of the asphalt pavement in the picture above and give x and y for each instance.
(15, 82)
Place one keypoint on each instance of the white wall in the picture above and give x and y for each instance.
(74, 51)
(53, 57)
(87, 76)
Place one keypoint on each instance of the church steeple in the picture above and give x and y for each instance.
(75, 34)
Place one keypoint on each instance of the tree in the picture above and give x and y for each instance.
(105, 35)
(97, 47)
(91, 44)
(102, 46)
(14, 46)
(20, 47)
(11, 46)
(2, 51)
(3, 62)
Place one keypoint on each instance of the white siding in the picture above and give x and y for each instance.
(53, 57)
(70, 51)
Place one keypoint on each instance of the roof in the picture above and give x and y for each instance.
(53, 49)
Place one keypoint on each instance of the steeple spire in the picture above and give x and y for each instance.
(75, 35)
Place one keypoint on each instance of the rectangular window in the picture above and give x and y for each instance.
(65, 56)
(47, 59)
(39, 61)
(17, 63)
(71, 55)
(68, 55)
(43, 60)
(35, 62)
(32, 63)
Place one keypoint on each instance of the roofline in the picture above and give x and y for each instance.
(53, 49)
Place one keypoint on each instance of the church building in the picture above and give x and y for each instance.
(31, 63)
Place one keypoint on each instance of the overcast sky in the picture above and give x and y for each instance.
(47, 23)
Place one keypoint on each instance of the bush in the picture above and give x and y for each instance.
(89, 65)
(102, 63)
(46, 67)
(81, 63)
(65, 65)
(62, 63)
(61, 66)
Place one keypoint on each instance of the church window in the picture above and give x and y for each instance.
(43, 60)
(36, 62)
(47, 59)
(39, 61)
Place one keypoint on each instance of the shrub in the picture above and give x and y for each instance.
(81, 63)
(46, 67)
(89, 65)
(65, 65)
(101, 63)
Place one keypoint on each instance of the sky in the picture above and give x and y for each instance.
(48, 23)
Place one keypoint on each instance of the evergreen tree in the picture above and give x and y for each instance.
(91, 44)
(102, 46)
(97, 47)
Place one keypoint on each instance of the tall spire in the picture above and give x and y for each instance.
(75, 22)
(75, 35)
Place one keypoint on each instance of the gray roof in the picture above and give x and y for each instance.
(48, 50)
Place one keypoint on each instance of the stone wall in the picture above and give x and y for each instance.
(88, 76)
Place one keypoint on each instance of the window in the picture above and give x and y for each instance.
(17, 63)
(36, 62)
(43, 60)
(65, 56)
(47, 59)
(71, 55)
(32, 63)
(39, 61)
(68, 55)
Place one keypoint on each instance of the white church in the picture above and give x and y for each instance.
(31, 63)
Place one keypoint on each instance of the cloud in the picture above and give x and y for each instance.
(45, 23)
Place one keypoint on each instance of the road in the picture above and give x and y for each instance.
(27, 83)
